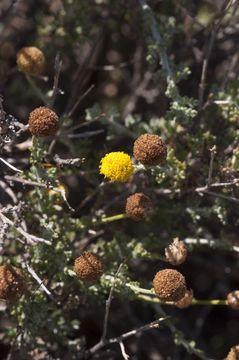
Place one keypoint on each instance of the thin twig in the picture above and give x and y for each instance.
(157, 38)
(152, 325)
(80, 99)
(40, 282)
(57, 67)
(205, 190)
(227, 4)
(108, 302)
(123, 352)
(42, 185)
(211, 243)
(213, 152)
(9, 165)
(31, 239)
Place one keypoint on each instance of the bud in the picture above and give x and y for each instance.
(169, 285)
(233, 299)
(186, 300)
(176, 252)
(150, 150)
(12, 282)
(43, 122)
(30, 60)
(88, 267)
(138, 206)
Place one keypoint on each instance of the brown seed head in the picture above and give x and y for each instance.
(169, 285)
(186, 300)
(12, 282)
(30, 60)
(150, 150)
(233, 299)
(88, 267)
(43, 122)
(234, 353)
(176, 252)
(138, 206)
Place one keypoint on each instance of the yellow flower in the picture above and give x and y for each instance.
(117, 166)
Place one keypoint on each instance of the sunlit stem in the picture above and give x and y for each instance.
(113, 218)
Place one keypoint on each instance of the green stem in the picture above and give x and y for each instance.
(209, 302)
(36, 89)
(113, 218)
(147, 292)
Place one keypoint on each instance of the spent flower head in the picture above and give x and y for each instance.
(150, 150)
(117, 166)
(30, 60)
(88, 267)
(138, 206)
(12, 282)
(43, 122)
(169, 285)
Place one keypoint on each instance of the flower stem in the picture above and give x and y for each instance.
(113, 218)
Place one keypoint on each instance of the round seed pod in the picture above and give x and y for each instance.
(30, 60)
(12, 282)
(176, 252)
(43, 122)
(169, 285)
(234, 353)
(233, 299)
(88, 267)
(138, 206)
(186, 300)
(150, 150)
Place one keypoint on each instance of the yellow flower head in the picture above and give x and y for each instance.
(117, 166)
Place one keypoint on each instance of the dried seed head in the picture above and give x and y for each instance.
(169, 285)
(186, 300)
(88, 267)
(234, 353)
(43, 122)
(138, 206)
(176, 252)
(233, 299)
(12, 282)
(30, 60)
(150, 150)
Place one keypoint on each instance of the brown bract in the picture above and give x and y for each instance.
(233, 299)
(12, 282)
(169, 285)
(88, 267)
(43, 122)
(138, 206)
(176, 252)
(234, 353)
(30, 60)
(186, 300)
(150, 150)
